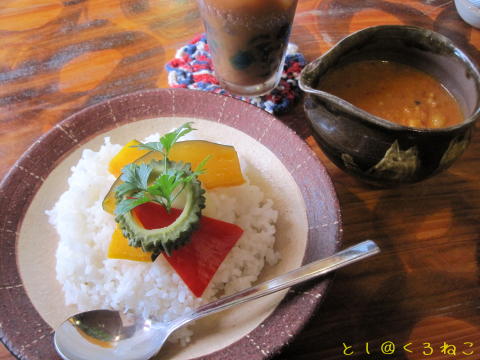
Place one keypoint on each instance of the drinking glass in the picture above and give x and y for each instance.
(248, 40)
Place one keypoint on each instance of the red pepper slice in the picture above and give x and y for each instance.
(197, 261)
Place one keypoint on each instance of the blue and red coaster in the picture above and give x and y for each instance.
(192, 68)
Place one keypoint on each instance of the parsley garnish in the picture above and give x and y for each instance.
(166, 187)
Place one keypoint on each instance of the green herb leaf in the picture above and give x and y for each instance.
(143, 173)
(125, 188)
(166, 141)
(152, 146)
(171, 138)
(128, 173)
(198, 171)
(136, 176)
(132, 202)
(165, 185)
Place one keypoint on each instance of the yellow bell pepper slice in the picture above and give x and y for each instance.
(119, 249)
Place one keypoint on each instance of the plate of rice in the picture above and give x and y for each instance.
(55, 235)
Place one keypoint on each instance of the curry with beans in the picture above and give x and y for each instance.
(394, 92)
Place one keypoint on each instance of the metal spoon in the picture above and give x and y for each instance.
(107, 334)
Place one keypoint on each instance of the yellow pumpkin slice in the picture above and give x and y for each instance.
(126, 155)
(222, 169)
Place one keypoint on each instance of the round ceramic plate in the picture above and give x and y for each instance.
(308, 226)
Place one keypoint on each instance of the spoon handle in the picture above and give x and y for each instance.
(320, 267)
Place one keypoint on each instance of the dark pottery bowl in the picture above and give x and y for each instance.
(378, 151)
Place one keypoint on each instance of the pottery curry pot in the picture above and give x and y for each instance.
(376, 150)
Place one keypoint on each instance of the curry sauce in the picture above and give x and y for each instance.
(394, 92)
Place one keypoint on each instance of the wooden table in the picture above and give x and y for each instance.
(422, 292)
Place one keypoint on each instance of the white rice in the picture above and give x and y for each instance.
(90, 280)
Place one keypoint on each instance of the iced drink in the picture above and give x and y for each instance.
(248, 40)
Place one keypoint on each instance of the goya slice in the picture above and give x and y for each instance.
(178, 233)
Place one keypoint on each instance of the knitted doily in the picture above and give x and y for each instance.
(192, 68)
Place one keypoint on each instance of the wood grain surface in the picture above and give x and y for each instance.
(422, 292)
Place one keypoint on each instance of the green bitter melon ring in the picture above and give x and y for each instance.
(174, 235)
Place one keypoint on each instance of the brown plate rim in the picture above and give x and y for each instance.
(25, 333)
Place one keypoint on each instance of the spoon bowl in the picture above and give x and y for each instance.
(109, 334)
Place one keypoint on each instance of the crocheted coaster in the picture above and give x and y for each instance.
(192, 68)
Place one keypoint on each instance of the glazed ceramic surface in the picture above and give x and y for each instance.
(376, 150)
(308, 224)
